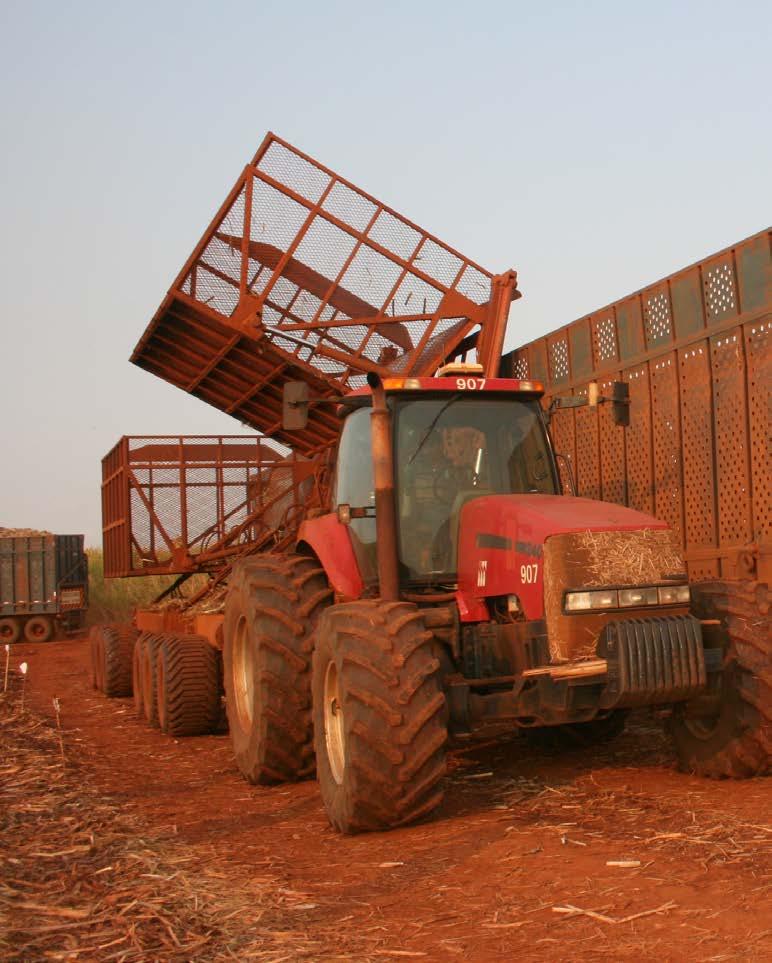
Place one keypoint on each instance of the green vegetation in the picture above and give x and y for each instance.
(114, 599)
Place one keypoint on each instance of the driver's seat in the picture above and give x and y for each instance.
(451, 547)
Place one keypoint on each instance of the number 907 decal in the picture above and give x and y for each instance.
(529, 573)
(470, 384)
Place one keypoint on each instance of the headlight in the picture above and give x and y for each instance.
(627, 598)
(582, 601)
(638, 596)
(671, 594)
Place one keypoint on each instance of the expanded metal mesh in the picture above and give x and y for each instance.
(696, 351)
(303, 275)
(176, 504)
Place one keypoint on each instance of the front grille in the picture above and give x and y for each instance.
(653, 661)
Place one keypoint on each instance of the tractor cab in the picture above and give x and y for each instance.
(452, 440)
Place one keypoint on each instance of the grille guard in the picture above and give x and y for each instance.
(653, 661)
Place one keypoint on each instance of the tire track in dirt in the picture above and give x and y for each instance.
(520, 833)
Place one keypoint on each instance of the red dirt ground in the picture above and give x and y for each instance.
(520, 833)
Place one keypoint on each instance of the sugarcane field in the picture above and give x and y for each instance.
(362, 599)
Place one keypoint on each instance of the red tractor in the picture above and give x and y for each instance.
(427, 576)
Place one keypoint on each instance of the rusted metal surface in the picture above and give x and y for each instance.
(383, 479)
(696, 351)
(303, 276)
(174, 504)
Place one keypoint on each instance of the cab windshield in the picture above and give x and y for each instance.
(450, 450)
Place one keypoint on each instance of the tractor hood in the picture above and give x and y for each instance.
(502, 539)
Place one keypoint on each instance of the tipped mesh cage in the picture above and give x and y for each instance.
(302, 276)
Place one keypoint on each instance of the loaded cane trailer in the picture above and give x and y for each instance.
(43, 585)
(438, 580)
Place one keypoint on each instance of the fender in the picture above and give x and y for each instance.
(330, 541)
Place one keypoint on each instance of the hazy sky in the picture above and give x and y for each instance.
(593, 146)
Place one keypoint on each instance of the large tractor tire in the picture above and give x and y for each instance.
(188, 686)
(136, 674)
(10, 630)
(734, 740)
(40, 628)
(271, 615)
(578, 735)
(149, 678)
(96, 657)
(380, 717)
(116, 652)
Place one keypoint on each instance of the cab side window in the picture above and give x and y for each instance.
(354, 486)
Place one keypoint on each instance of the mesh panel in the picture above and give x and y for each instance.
(720, 293)
(732, 456)
(189, 498)
(604, 339)
(667, 442)
(334, 281)
(656, 315)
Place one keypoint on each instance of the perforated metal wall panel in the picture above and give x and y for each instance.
(696, 351)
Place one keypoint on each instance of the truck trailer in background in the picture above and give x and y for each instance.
(43, 586)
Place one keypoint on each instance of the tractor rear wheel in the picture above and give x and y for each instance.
(116, 653)
(40, 628)
(188, 686)
(578, 735)
(271, 615)
(733, 739)
(380, 717)
(10, 630)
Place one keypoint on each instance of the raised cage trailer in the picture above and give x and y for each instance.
(43, 586)
(695, 349)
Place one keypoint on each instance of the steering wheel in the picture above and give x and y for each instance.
(448, 482)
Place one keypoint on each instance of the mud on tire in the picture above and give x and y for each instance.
(271, 614)
(735, 740)
(188, 686)
(380, 717)
(10, 630)
(113, 651)
(148, 678)
(40, 628)
(94, 657)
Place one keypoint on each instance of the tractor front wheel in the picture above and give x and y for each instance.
(729, 734)
(380, 718)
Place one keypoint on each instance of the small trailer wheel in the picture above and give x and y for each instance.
(97, 658)
(116, 651)
(136, 674)
(10, 630)
(187, 686)
(40, 628)
(148, 679)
